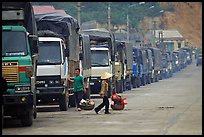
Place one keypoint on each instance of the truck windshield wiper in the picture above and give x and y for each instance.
(51, 63)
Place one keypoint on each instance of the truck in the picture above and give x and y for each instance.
(123, 65)
(165, 63)
(149, 65)
(102, 58)
(19, 61)
(137, 68)
(61, 53)
(119, 66)
(156, 56)
(189, 54)
(143, 58)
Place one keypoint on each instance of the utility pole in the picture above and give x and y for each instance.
(109, 17)
(78, 12)
(128, 28)
(154, 27)
(128, 33)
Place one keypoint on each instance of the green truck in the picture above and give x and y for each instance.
(19, 58)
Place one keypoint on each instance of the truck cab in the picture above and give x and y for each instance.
(137, 68)
(102, 58)
(19, 57)
(52, 72)
(100, 63)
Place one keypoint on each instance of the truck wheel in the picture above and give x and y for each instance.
(149, 79)
(157, 78)
(138, 82)
(72, 101)
(27, 119)
(63, 103)
(35, 114)
(87, 95)
(119, 86)
(2, 108)
(134, 83)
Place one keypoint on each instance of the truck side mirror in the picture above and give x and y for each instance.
(125, 61)
(112, 57)
(81, 56)
(33, 41)
(66, 52)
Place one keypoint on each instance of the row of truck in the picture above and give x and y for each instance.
(39, 51)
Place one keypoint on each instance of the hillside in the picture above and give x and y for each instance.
(187, 19)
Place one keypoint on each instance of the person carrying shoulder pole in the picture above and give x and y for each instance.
(79, 87)
(104, 93)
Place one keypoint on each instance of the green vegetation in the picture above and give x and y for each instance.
(99, 11)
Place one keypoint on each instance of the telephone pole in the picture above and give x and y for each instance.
(109, 17)
(78, 12)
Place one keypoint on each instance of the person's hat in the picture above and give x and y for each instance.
(106, 75)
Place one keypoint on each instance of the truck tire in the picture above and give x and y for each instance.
(64, 102)
(119, 86)
(27, 118)
(35, 114)
(138, 82)
(72, 101)
(2, 118)
(134, 83)
(143, 80)
(87, 95)
(157, 78)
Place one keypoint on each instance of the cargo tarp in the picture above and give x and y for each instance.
(86, 63)
(29, 22)
(64, 25)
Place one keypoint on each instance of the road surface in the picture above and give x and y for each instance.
(171, 106)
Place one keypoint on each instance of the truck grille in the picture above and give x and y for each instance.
(10, 71)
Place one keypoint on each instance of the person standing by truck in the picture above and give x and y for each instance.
(104, 93)
(79, 87)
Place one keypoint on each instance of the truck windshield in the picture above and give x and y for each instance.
(14, 43)
(49, 53)
(99, 58)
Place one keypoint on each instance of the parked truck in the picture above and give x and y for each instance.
(119, 66)
(156, 56)
(149, 65)
(60, 54)
(19, 58)
(123, 65)
(102, 58)
(137, 68)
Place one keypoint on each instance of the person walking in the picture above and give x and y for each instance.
(104, 93)
(79, 87)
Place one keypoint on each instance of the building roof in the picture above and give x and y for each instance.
(43, 9)
(169, 34)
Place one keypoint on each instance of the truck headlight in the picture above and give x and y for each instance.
(57, 81)
(25, 88)
(51, 82)
(176, 62)
(40, 82)
(23, 99)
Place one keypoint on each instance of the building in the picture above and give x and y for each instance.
(169, 40)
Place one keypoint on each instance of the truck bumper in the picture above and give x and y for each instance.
(49, 94)
(95, 85)
(18, 99)
(17, 104)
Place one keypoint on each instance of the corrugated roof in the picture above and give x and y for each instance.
(43, 9)
(61, 11)
(169, 34)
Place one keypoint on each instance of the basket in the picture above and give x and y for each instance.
(117, 107)
(88, 107)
